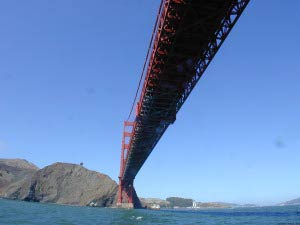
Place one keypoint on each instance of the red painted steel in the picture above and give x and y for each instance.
(125, 190)
(186, 36)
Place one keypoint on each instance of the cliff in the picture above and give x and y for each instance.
(61, 183)
(15, 176)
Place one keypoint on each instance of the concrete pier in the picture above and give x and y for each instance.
(125, 205)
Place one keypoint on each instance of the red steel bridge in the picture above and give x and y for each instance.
(186, 36)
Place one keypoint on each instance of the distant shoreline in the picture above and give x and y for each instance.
(72, 184)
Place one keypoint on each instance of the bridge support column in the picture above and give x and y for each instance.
(127, 197)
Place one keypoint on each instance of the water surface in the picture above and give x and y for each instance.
(18, 212)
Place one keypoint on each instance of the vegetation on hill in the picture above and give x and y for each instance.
(180, 202)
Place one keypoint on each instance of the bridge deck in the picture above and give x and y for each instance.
(187, 35)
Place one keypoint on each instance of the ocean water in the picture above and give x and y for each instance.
(17, 212)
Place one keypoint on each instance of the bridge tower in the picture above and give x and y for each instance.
(127, 197)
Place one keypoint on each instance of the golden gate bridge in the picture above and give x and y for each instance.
(186, 36)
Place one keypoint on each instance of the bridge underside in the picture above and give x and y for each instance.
(186, 37)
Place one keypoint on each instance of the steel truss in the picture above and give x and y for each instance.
(186, 37)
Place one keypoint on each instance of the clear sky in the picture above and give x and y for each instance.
(69, 70)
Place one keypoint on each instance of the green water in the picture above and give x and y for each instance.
(17, 212)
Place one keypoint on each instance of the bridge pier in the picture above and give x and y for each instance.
(125, 205)
(127, 197)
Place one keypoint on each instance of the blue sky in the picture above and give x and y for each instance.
(69, 71)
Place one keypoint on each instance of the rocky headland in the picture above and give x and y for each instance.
(61, 183)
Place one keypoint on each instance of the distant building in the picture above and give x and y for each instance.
(155, 206)
(194, 204)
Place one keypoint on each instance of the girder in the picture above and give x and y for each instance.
(186, 37)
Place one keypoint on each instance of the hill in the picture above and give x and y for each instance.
(14, 174)
(292, 202)
(180, 202)
(62, 183)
